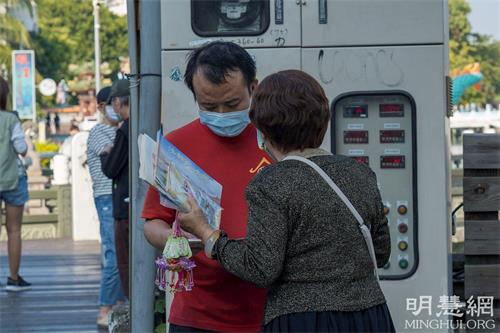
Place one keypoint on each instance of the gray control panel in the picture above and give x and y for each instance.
(378, 130)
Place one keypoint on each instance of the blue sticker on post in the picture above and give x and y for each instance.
(278, 12)
(175, 74)
(323, 13)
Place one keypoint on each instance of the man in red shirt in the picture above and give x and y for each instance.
(222, 142)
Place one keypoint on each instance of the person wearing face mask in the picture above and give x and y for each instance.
(100, 136)
(316, 224)
(114, 164)
(222, 78)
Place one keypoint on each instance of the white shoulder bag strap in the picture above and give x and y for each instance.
(364, 229)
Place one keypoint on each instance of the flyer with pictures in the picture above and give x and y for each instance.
(176, 177)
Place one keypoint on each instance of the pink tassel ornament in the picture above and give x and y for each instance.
(175, 267)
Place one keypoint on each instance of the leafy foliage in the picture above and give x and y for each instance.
(160, 305)
(66, 37)
(161, 328)
(467, 47)
(83, 78)
(13, 34)
(160, 319)
(46, 147)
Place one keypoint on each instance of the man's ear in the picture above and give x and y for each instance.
(253, 85)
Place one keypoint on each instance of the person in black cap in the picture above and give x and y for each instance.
(119, 98)
(114, 162)
(100, 136)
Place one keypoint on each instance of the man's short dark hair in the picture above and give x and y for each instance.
(216, 59)
(291, 109)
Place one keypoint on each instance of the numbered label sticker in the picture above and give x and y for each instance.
(355, 126)
(392, 151)
(392, 126)
(355, 152)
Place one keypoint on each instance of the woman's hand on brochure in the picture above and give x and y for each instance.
(195, 222)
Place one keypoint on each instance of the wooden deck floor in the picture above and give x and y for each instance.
(65, 277)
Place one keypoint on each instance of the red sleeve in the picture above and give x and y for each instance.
(154, 210)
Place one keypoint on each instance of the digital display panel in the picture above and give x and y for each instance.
(361, 159)
(392, 136)
(355, 137)
(356, 111)
(392, 110)
(392, 162)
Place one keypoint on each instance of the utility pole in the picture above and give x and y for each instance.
(145, 92)
(97, 46)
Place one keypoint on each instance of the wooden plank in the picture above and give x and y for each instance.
(481, 151)
(481, 194)
(36, 219)
(482, 280)
(43, 195)
(64, 298)
(482, 229)
(482, 260)
(482, 247)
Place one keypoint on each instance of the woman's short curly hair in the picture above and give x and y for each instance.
(291, 109)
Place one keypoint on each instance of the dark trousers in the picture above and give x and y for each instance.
(122, 248)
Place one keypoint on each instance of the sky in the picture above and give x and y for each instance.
(485, 17)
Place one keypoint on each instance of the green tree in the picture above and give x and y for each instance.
(467, 47)
(66, 37)
(13, 34)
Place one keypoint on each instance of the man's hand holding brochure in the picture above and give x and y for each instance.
(176, 178)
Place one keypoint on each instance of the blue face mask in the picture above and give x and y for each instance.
(228, 124)
(262, 145)
(112, 115)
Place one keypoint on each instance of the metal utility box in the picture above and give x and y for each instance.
(306, 23)
(383, 65)
(251, 23)
(368, 22)
(378, 130)
(389, 110)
